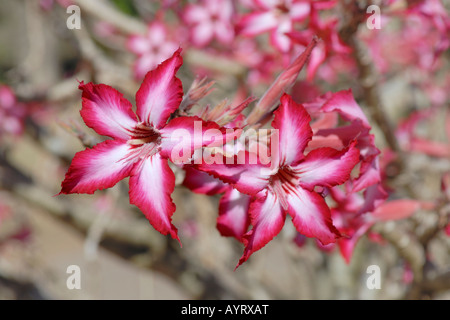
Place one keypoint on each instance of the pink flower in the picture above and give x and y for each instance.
(12, 113)
(209, 20)
(278, 17)
(151, 49)
(288, 185)
(141, 144)
(355, 214)
(233, 219)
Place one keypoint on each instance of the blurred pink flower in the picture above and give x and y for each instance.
(157, 45)
(210, 20)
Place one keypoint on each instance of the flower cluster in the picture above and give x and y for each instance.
(295, 151)
(264, 171)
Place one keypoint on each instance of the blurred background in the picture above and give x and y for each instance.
(119, 254)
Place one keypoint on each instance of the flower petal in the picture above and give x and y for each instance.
(279, 38)
(292, 121)
(348, 244)
(188, 134)
(311, 216)
(233, 220)
(151, 185)
(202, 34)
(256, 23)
(370, 174)
(201, 182)
(396, 209)
(267, 218)
(138, 44)
(105, 110)
(98, 168)
(327, 167)
(160, 93)
(344, 103)
(243, 171)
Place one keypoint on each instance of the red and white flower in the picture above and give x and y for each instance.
(287, 185)
(141, 144)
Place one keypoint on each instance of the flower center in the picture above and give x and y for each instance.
(284, 182)
(142, 134)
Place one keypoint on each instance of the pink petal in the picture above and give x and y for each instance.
(344, 102)
(151, 184)
(279, 37)
(311, 216)
(330, 141)
(327, 167)
(300, 10)
(431, 148)
(202, 34)
(266, 4)
(256, 23)
(224, 32)
(105, 110)
(160, 93)
(318, 56)
(7, 97)
(98, 168)
(374, 196)
(195, 14)
(347, 245)
(144, 64)
(267, 218)
(370, 174)
(183, 135)
(233, 220)
(396, 209)
(138, 44)
(201, 182)
(243, 171)
(292, 121)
